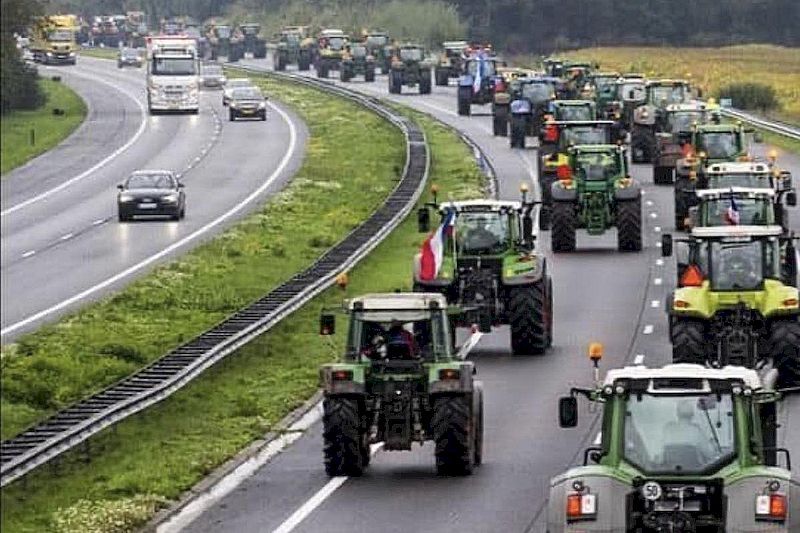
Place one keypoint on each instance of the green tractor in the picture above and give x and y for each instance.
(737, 300)
(331, 47)
(379, 46)
(710, 144)
(673, 133)
(604, 89)
(529, 103)
(225, 42)
(490, 267)
(451, 62)
(357, 62)
(254, 44)
(411, 68)
(294, 47)
(659, 94)
(683, 448)
(400, 383)
(595, 192)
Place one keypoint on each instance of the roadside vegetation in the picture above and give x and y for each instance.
(28, 133)
(151, 458)
(102, 53)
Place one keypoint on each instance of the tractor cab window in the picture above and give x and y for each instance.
(224, 32)
(575, 112)
(666, 94)
(358, 51)
(742, 266)
(398, 335)
(605, 86)
(584, 135)
(720, 145)
(632, 92)
(678, 433)
(682, 121)
(536, 92)
(753, 181)
(377, 40)
(411, 54)
(737, 211)
(597, 166)
(336, 43)
(487, 67)
(60, 36)
(292, 38)
(482, 233)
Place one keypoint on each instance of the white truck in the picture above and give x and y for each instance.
(173, 74)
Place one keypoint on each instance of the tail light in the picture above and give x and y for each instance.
(499, 85)
(771, 507)
(564, 173)
(449, 374)
(342, 375)
(581, 506)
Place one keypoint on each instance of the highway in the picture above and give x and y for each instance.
(62, 244)
(599, 295)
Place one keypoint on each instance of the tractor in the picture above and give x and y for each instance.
(604, 88)
(294, 47)
(501, 103)
(659, 94)
(573, 110)
(709, 144)
(631, 94)
(357, 61)
(555, 140)
(736, 301)
(595, 192)
(529, 102)
(673, 129)
(489, 266)
(399, 382)
(451, 62)
(478, 81)
(224, 42)
(380, 47)
(743, 206)
(331, 47)
(253, 43)
(682, 448)
(410, 68)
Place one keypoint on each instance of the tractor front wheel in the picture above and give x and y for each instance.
(643, 144)
(563, 227)
(345, 441)
(454, 434)
(518, 127)
(528, 318)
(662, 175)
(688, 341)
(369, 74)
(784, 347)
(500, 121)
(629, 225)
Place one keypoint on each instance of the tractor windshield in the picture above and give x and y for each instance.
(742, 266)
(605, 85)
(224, 32)
(377, 40)
(632, 92)
(398, 334)
(411, 54)
(737, 211)
(574, 112)
(291, 38)
(597, 166)
(682, 121)
(720, 145)
(584, 135)
(358, 51)
(666, 94)
(537, 92)
(487, 67)
(753, 181)
(482, 233)
(336, 43)
(679, 434)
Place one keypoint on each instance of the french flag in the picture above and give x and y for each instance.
(732, 216)
(476, 84)
(433, 247)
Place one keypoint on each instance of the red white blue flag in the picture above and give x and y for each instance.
(732, 215)
(434, 246)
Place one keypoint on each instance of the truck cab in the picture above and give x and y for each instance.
(173, 75)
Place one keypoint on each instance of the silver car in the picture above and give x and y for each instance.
(212, 76)
(234, 83)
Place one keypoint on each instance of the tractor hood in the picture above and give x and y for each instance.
(774, 299)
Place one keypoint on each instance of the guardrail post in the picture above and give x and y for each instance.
(33, 137)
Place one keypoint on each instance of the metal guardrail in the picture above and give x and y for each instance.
(69, 427)
(769, 125)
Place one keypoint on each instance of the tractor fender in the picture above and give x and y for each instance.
(464, 385)
(560, 194)
(739, 496)
(534, 275)
(611, 497)
(465, 80)
(632, 192)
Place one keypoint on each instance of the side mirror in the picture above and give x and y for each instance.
(631, 95)
(327, 324)
(758, 138)
(120, 186)
(527, 227)
(181, 185)
(423, 220)
(699, 93)
(485, 323)
(666, 245)
(791, 198)
(568, 412)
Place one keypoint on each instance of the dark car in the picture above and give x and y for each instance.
(129, 57)
(151, 192)
(247, 102)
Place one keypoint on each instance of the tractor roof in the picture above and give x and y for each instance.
(665, 81)
(574, 103)
(747, 376)
(332, 32)
(717, 128)
(480, 205)
(736, 232)
(607, 74)
(455, 44)
(396, 301)
(585, 123)
(745, 167)
(596, 148)
(741, 192)
(693, 106)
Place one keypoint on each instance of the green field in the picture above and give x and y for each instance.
(101, 53)
(156, 455)
(18, 145)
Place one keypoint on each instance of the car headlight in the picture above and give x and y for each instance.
(72, 54)
(49, 54)
(171, 198)
(262, 105)
(125, 198)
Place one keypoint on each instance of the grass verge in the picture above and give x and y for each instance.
(48, 129)
(151, 458)
(101, 53)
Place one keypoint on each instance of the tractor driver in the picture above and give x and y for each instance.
(484, 234)
(685, 443)
(738, 268)
(400, 343)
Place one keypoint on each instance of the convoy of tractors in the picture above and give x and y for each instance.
(733, 314)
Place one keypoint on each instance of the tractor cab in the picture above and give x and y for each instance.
(604, 88)
(756, 175)
(525, 106)
(738, 206)
(661, 93)
(554, 67)
(573, 110)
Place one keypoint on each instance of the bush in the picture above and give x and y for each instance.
(750, 95)
(18, 84)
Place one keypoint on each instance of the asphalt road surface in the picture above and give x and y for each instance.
(600, 295)
(62, 243)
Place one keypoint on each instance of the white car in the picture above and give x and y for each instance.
(231, 84)
(212, 76)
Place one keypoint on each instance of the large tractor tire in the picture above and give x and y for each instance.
(369, 74)
(477, 414)
(280, 63)
(425, 83)
(688, 341)
(442, 78)
(563, 227)
(304, 62)
(518, 131)
(629, 225)
(546, 180)
(784, 348)
(344, 74)
(681, 204)
(500, 121)
(345, 441)
(395, 82)
(662, 175)
(528, 315)
(464, 101)
(643, 145)
(454, 434)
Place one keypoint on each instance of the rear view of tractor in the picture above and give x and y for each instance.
(477, 82)
(224, 41)
(683, 449)
(737, 300)
(490, 268)
(411, 68)
(659, 94)
(294, 47)
(398, 383)
(451, 61)
(674, 137)
(379, 46)
(595, 192)
(254, 44)
(357, 61)
(331, 47)
(530, 101)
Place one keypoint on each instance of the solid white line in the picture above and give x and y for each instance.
(655, 303)
(639, 359)
(658, 281)
(98, 221)
(648, 329)
(660, 262)
(67, 236)
(174, 246)
(94, 168)
(28, 253)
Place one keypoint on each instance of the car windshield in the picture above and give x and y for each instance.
(682, 121)
(377, 40)
(537, 92)
(60, 36)
(679, 434)
(247, 93)
(411, 54)
(574, 112)
(753, 181)
(660, 94)
(720, 145)
(150, 181)
(737, 211)
(632, 92)
(742, 266)
(584, 135)
(174, 66)
(398, 334)
(482, 233)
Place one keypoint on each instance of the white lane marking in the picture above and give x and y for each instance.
(648, 329)
(648, 203)
(316, 500)
(66, 236)
(93, 169)
(28, 254)
(598, 439)
(659, 262)
(228, 483)
(657, 229)
(658, 281)
(98, 221)
(174, 246)
(639, 359)
(655, 304)
(653, 215)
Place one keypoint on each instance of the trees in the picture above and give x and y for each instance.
(18, 86)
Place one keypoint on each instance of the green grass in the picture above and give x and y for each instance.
(156, 455)
(48, 129)
(781, 141)
(101, 53)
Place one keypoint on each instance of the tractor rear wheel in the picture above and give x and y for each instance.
(784, 347)
(464, 101)
(425, 83)
(369, 74)
(500, 121)
(563, 227)
(546, 180)
(518, 131)
(528, 318)
(643, 144)
(442, 77)
(688, 341)
(477, 413)
(662, 175)
(454, 433)
(345, 441)
(681, 205)
(395, 82)
(629, 225)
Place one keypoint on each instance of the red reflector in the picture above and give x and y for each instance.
(342, 375)
(449, 373)
(777, 506)
(551, 133)
(564, 172)
(692, 277)
(573, 505)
